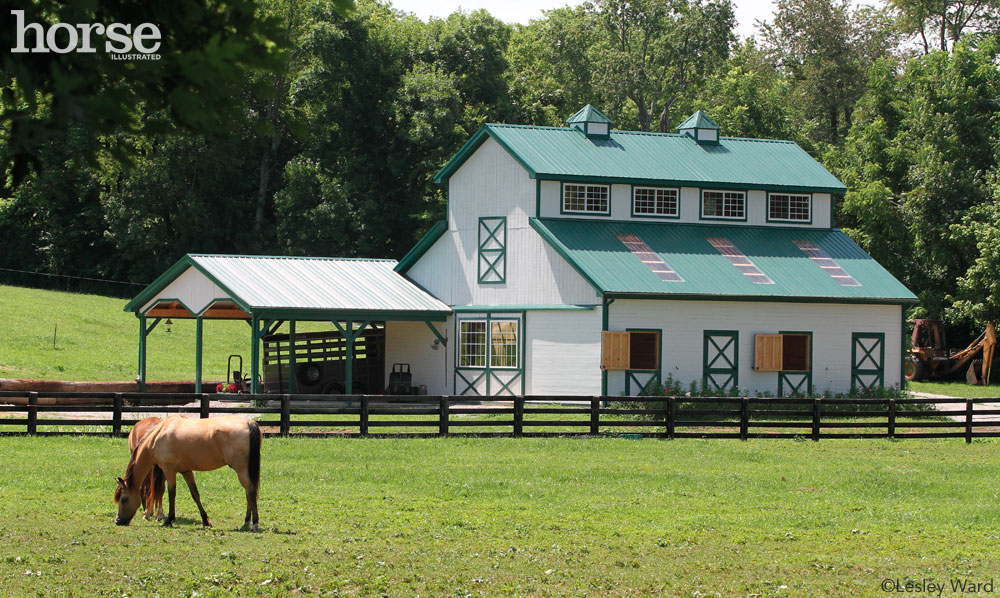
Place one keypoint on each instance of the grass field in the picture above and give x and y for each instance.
(96, 340)
(554, 517)
(957, 389)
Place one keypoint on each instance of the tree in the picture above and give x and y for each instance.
(942, 23)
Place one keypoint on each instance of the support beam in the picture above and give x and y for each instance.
(350, 336)
(440, 337)
(142, 353)
(292, 382)
(254, 354)
(197, 353)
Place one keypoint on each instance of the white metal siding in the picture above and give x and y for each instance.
(684, 323)
(411, 342)
(563, 352)
(491, 183)
(193, 289)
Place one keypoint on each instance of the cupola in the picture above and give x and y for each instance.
(592, 122)
(701, 128)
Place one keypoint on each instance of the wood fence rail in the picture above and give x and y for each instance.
(50, 413)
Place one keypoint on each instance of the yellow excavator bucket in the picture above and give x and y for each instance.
(989, 343)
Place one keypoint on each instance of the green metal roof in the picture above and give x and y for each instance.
(276, 285)
(698, 120)
(561, 153)
(595, 251)
(588, 114)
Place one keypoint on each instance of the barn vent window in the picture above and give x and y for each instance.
(789, 352)
(633, 350)
(787, 207)
(493, 250)
(586, 199)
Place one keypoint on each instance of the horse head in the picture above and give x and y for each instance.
(128, 501)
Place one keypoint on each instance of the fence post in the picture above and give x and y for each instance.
(364, 415)
(443, 421)
(32, 413)
(116, 416)
(817, 402)
(595, 416)
(744, 417)
(892, 418)
(671, 416)
(968, 421)
(518, 416)
(286, 414)
(204, 406)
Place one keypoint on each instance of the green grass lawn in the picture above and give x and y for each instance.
(513, 517)
(96, 340)
(957, 389)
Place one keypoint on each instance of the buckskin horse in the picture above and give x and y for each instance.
(183, 445)
(151, 490)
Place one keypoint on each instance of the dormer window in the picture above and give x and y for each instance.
(701, 128)
(591, 122)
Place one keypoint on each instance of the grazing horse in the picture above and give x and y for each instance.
(151, 491)
(182, 445)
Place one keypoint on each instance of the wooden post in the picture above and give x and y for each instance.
(595, 416)
(817, 402)
(671, 416)
(443, 421)
(518, 416)
(744, 417)
(197, 354)
(32, 413)
(968, 421)
(116, 416)
(142, 353)
(892, 418)
(254, 354)
(286, 415)
(204, 406)
(364, 415)
(349, 363)
(292, 381)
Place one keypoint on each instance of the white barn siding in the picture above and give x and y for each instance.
(684, 322)
(192, 288)
(491, 183)
(563, 352)
(411, 342)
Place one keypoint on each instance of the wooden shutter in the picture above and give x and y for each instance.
(614, 350)
(767, 352)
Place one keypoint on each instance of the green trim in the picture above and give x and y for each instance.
(763, 298)
(767, 209)
(198, 333)
(176, 270)
(512, 308)
(710, 185)
(701, 205)
(709, 371)
(194, 314)
(605, 317)
(292, 370)
(142, 353)
(676, 216)
(497, 266)
(657, 374)
(562, 201)
(538, 198)
(254, 354)
(440, 337)
(563, 251)
(857, 372)
(783, 376)
(423, 246)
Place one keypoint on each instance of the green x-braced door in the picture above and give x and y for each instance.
(720, 360)
(867, 360)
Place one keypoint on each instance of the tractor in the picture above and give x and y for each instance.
(931, 360)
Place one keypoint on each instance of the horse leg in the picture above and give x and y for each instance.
(157, 491)
(251, 500)
(171, 477)
(189, 478)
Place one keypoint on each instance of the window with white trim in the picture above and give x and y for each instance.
(586, 199)
(472, 344)
(496, 345)
(724, 204)
(790, 207)
(654, 201)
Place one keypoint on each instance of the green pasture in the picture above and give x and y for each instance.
(513, 517)
(954, 388)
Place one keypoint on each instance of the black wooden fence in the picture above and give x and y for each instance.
(35, 413)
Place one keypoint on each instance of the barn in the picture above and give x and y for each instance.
(584, 260)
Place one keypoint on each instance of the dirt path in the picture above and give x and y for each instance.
(960, 406)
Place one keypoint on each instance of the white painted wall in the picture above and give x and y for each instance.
(411, 342)
(491, 183)
(563, 352)
(684, 323)
(690, 207)
(192, 288)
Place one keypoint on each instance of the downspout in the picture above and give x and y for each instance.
(606, 302)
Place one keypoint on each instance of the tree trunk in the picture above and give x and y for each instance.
(270, 148)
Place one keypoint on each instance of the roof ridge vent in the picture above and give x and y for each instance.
(701, 128)
(592, 122)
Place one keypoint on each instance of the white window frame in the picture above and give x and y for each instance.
(462, 344)
(516, 344)
(724, 192)
(587, 187)
(487, 351)
(677, 203)
(809, 203)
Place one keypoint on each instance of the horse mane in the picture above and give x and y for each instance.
(130, 470)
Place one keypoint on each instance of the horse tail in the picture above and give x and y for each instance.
(156, 489)
(253, 461)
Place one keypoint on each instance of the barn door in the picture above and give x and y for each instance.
(867, 361)
(720, 360)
